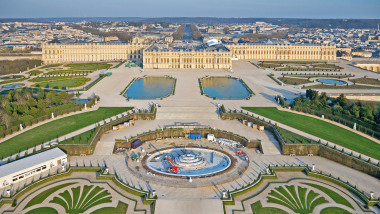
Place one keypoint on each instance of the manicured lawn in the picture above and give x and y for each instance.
(45, 194)
(294, 81)
(12, 81)
(321, 129)
(293, 137)
(46, 79)
(55, 129)
(43, 210)
(35, 72)
(79, 139)
(120, 209)
(89, 66)
(324, 86)
(259, 209)
(334, 195)
(67, 83)
(334, 210)
(50, 66)
(370, 81)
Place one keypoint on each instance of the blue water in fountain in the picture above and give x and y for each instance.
(12, 86)
(332, 81)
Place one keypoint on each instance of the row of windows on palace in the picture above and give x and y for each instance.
(187, 60)
(236, 52)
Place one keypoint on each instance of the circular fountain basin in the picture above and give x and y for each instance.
(332, 81)
(191, 162)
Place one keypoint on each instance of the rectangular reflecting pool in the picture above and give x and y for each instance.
(150, 87)
(225, 88)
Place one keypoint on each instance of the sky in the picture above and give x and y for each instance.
(191, 8)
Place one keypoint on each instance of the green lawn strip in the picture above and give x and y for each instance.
(90, 195)
(101, 197)
(34, 72)
(43, 210)
(322, 129)
(324, 86)
(292, 190)
(280, 202)
(97, 201)
(69, 71)
(294, 81)
(288, 196)
(89, 66)
(302, 193)
(120, 209)
(316, 202)
(274, 79)
(335, 196)
(310, 199)
(85, 191)
(55, 129)
(79, 139)
(259, 209)
(12, 81)
(291, 137)
(46, 79)
(67, 83)
(76, 194)
(61, 202)
(370, 81)
(316, 75)
(43, 195)
(69, 200)
(334, 210)
(50, 66)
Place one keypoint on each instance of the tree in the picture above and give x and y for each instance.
(226, 30)
(311, 94)
(64, 97)
(366, 112)
(41, 104)
(6, 119)
(31, 102)
(342, 100)
(40, 94)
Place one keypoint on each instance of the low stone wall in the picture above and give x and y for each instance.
(181, 132)
(307, 149)
(350, 161)
(300, 149)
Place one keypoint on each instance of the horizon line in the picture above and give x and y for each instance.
(156, 17)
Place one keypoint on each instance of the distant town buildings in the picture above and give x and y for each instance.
(62, 42)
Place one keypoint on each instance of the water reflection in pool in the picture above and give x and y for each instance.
(150, 87)
(225, 88)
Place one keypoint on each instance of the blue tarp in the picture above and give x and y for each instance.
(195, 136)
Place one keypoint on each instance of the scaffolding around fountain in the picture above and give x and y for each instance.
(191, 161)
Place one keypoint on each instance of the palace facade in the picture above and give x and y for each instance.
(90, 52)
(282, 52)
(202, 56)
(183, 57)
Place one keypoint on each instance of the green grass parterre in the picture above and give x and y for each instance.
(322, 129)
(56, 128)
